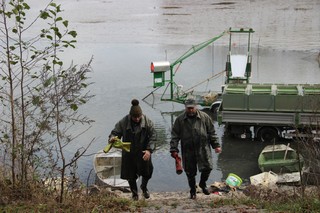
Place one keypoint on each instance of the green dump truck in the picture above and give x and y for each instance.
(268, 112)
(265, 112)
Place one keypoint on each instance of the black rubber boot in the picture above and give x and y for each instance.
(192, 185)
(203, 179)
(144, 189)
(134, 189)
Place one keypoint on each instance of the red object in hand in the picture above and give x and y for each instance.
(178, 165)
(178, 162)
(218, 150)
(174, 155)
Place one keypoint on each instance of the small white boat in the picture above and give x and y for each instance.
(107, 167)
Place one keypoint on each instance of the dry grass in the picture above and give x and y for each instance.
(36, 198)
(250, 199)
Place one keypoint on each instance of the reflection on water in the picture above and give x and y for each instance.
(240, 157)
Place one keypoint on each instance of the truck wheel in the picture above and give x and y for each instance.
(214, 108)
(268, 134)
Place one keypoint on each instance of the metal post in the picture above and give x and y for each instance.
(114, 171)
(171, 82)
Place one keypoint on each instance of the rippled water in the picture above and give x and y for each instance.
(289, 25)
(125, 36)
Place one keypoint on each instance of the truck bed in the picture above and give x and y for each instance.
(272, 118)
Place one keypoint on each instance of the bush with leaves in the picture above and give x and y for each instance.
(39, 98)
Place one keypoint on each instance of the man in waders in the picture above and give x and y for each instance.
(195, 130)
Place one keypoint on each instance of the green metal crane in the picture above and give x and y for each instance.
(159, 68)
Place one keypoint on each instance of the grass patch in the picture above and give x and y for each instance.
(35, 198)
(274, 200)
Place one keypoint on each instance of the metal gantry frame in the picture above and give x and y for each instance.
(229, 79)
